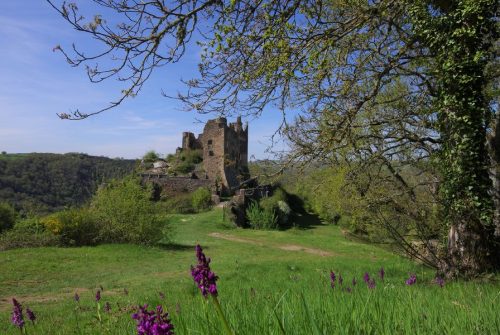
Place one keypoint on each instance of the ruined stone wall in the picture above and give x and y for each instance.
(243, 138)
(189, 142)
(236, 154)
(225, 151)
(232, 159)
(212, 141)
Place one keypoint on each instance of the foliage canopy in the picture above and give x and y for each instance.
(382, 86)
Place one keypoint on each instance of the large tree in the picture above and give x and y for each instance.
(386, 86)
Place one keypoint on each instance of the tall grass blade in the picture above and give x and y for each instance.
(222, 318)
(282, 328)
(314, 326)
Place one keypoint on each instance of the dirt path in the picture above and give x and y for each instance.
(286, 247)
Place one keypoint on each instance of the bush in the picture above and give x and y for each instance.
(151, 156)
(178, 204)
(185, 161)
(28, 233)
(7, 216)
(277, 203)
(201, 199)
(324, 194)
(126, 214)
(78, 227)
(30, 225)
(284, 212)
(192, 156)
(74, 227)
(260, 218)
(52, 224)
(184, 167)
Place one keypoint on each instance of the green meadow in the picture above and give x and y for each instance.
(270, 282)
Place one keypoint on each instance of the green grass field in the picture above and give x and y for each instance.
(268, 280)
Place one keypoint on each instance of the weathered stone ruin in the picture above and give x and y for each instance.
(225, 152)
(225, 160)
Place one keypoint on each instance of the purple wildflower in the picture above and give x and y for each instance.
(366, 277)
(17, 314)
(439, 281)
(332, 279)
(153, 322)
(354, 282)
(107, 307)
(202, 275)
(341, 280)
(412, 280)
(31, 315)
(381, 273)
(77, 297)
(348, 290)
(98, 296)
(371, 284)
(162, 295)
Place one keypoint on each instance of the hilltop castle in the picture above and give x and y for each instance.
(225, 151)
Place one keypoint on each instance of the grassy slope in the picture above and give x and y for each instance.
(256, 279)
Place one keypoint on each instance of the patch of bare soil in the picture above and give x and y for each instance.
(293, 247)
(286, 247)
(235, 239)
(221, 204)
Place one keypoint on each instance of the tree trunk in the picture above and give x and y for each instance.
(494, 153)
(469, 251)
(460, 38)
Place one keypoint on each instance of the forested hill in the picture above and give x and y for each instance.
(44, 182)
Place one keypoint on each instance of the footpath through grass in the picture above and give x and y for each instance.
(268, 280)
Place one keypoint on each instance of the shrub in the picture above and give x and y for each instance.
(192, 156)
(184, 167)
(78, 227)
(185, 161)
(125, 213)
(151, 156)
(260, 218)
(7, 216)
(324, 194)
(284, 212)
(277, 203)
(52, 224)
(201, 199)
(31, 225)
(178, 204)
(28, 233)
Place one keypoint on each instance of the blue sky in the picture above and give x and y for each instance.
(36, 83)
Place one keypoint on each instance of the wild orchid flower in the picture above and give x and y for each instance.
(202, 275)
(154, 322)
(17, 314)
(412, 280)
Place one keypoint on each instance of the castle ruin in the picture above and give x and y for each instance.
(225, 152)
(224, 165)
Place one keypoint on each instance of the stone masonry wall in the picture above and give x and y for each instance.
(225, 152)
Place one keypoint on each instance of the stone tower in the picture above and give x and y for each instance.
(225, 152)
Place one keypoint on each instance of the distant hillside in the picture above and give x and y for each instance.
(44, 182)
